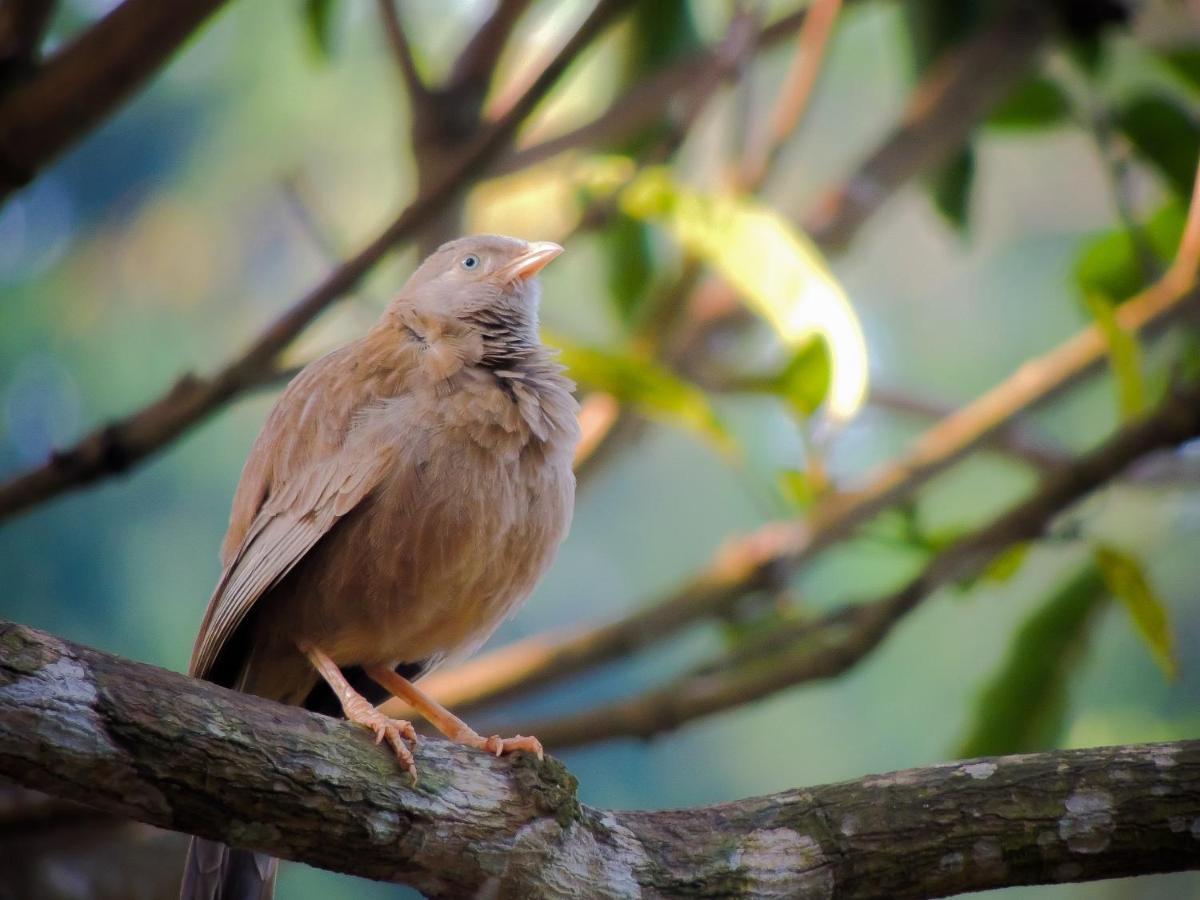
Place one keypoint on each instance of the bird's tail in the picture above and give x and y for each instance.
(214, 871)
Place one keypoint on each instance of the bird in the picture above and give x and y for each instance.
(405, 494)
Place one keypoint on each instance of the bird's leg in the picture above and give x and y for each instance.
(445, 721)
(361, 712)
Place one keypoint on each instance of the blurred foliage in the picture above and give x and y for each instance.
(776, 270)
(648, 386)
(1127, 581)
(1023, 706)
(1124, 355)
(166, 240)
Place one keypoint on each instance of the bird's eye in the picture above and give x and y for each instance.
(470, 261)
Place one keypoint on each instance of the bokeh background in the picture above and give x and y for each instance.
(174, 231)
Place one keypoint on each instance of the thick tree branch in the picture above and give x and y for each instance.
(84, 82)
(185, 755)
(120, 444)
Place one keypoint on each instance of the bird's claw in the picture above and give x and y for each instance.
(394, 731)
(498, 746)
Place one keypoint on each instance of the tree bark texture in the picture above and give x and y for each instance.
(182, 754)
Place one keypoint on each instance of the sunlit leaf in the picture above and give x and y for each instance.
(950, 187)
(1128, 582)
(1124, 356)
(1021, 708)
(777, 270)
(1109, 265)
(1036, 102)
(1166, 135)
(644, 384)
(318, 19)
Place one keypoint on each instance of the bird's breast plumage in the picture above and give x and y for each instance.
(457, 533)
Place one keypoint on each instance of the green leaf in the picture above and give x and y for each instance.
(1007, 564)
(804, 381)
(1036, 102)
(630, 267)
(776, 269)
(1022, 706)
(1124, 356)
(934, 26)
(1128, 582)
(1185, 64)
(950, 187)
(798, 488)
(646, 385)
(318, 18)
(1109, 264)
(1166, 136)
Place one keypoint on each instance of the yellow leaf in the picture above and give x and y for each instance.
(1124, 576)
(778, 271)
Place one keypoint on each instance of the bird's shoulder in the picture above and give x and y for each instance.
(305, 435)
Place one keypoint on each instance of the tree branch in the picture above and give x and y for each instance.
(23, 24)
(952, 99)
(85, 81)
(120, 444)
(186, 755)
(419, 96)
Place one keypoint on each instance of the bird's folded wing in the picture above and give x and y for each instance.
(287, 526)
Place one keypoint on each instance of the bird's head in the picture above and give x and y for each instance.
(485, 281)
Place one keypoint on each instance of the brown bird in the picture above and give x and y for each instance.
(405, 495)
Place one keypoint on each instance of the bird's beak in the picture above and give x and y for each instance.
(529, 263)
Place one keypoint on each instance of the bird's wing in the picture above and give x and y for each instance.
(305, 472)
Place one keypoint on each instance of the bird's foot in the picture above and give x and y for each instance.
(394, 731)
(498, 746)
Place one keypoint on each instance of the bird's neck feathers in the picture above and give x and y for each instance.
(503, 344)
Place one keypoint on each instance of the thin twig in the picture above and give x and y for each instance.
(474, 66)
(1014, 439)
(794, 96)
(419, 95)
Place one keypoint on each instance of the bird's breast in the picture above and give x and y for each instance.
(455, 537)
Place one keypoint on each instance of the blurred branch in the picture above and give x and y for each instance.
(949, 103)
(419, 96)
(646, 102)
(1013, 438)
(118, 445)
(806, 651)
(793, 98)
(23, 24)
(474, 66)
(186, 755)
(82, 84)
(753, 562)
